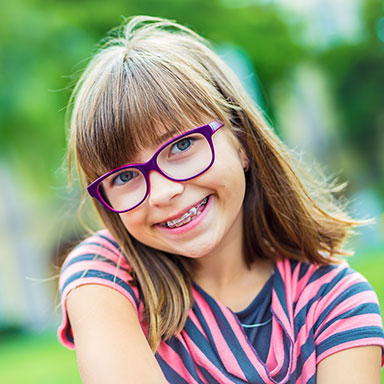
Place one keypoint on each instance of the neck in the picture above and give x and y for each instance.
(223, 266)
(224, 274)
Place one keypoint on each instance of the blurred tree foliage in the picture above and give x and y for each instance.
(44, 43)
(356, 72)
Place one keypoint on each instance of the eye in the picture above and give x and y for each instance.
(182, 145)
(124, 177)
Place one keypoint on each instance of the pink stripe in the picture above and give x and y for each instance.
(284, 267)
(201, 376)
(280, 313)
(294, 283)
(309, 368)
(98, 250)
(277, 348)
(349, 324)
(317, 307)
(226, 355)
(348, 304)
(169, 355)
(289, 284)
(99, 240)
(61, 335)
(343, 285)
(105, 233)
(315, 311)
(340, 287)
(99, 281)
(303, 334)
(271, 360)
(96, 237)
(192, 316)
(310, 320)
(103, 267)
(313, 288)
(300, 286)
(352, 344)
(200, 358)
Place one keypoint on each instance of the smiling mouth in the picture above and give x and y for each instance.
(187, 217)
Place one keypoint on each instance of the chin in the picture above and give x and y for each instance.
(197, 252)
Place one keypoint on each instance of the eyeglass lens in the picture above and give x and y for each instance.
(181, 159)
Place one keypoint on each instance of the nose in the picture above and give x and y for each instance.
(162, 190)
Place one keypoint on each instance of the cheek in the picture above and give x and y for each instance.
(229, 173)
(134, 221)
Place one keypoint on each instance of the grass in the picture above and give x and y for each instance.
(36, 359)
(371, 265)
(40, 359)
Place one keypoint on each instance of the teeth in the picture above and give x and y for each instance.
(187, 217)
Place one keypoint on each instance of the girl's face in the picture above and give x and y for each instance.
(210, 203)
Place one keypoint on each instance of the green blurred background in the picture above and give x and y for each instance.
(315, 66)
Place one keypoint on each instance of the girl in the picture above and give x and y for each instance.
(216, 265)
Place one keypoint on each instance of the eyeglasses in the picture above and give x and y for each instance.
(182, 158)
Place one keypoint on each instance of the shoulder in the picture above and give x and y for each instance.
(333, 305)
(319, 294)
(97, 260)
(302, 277)
(99, 246)
(98, 255)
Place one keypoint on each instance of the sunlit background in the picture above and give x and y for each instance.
(315, 66)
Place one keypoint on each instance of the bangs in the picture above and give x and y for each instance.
(133, 102)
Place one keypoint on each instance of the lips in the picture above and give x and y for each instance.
(186, 217)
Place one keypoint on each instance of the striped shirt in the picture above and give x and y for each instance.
(303, 314)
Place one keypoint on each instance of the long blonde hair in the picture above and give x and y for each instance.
(153, 73)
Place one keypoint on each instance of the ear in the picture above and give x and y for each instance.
(244, 159)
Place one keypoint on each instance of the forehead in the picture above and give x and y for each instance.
(165, 134)
(162, 135)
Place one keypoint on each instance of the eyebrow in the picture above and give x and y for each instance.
(167, 136)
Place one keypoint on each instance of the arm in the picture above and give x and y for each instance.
(110, 344)
(353, 366)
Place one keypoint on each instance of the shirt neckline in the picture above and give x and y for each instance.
(267, 288)
(250, 305)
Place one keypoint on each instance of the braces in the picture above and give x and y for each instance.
(187, 217)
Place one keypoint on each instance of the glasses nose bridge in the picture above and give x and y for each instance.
(163, 188)
(148, 167)
(151, 165)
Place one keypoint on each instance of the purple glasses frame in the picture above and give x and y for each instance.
(151, 165)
